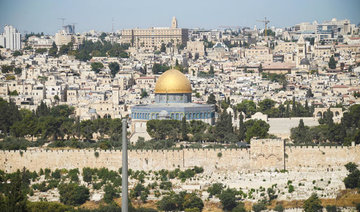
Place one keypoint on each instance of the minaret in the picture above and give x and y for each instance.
(174, 23)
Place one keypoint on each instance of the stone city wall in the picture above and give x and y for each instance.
(324, 158)
(262, 155)
(210, 159)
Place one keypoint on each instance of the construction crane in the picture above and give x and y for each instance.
(265, 21)
(230, 27)
(112, 25)
(63, 19)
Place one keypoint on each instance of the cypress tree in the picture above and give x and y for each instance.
(293, 107)
(287, 111)
(332, 63)
(184, 130)
(241, 127)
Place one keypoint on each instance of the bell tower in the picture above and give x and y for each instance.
(174, 23)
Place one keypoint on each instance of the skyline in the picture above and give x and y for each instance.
(43, 15)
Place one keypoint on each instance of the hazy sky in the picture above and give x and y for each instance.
(43, 15)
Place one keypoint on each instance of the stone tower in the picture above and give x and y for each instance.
(115, 95)
(174, 23)
(301, 50)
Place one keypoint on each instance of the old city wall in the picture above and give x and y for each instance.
(321, 158)
(262, 155)
(209, 159)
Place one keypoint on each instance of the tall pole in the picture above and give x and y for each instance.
(124, 187)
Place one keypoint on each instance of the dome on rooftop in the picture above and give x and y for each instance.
(172, 81)
(304, 61)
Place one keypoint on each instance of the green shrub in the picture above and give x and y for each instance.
(73, 175)
(228, 199)
(136, 191)
(73, 194)
(259, 207)
(358, 206)
(56, 174)
(215, 189)
(279, 208)
(239, 208)
(167, 185)
(87, 174)
(53, 184)
(181, 202)
(331, 208)
(191, 202)
(312, 204)
(291, 189)
(352, 180)
(110, 193)
(47, 173)
(40, 187)
(46, 207)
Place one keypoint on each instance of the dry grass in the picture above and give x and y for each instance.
(287, 204)
(345, 198)
(90, 205)
(148, 204)
(212, 207)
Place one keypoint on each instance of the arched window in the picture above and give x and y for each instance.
(319, 114)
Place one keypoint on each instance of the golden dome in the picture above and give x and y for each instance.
(173, 81)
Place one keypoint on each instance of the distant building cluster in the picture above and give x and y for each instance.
(67, 35)
(11, 38)
(311, 63)
(327, 31)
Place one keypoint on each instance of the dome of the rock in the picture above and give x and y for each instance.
(172, 82)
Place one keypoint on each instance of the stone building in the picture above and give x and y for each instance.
(196, 48)
(155, 36)
(173, 101)
(259, 54)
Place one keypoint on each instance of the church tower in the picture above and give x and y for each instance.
(301, 50)
(174, 23)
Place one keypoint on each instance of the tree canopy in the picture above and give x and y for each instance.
(332, 62)
(114, 68)
(342, 133)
